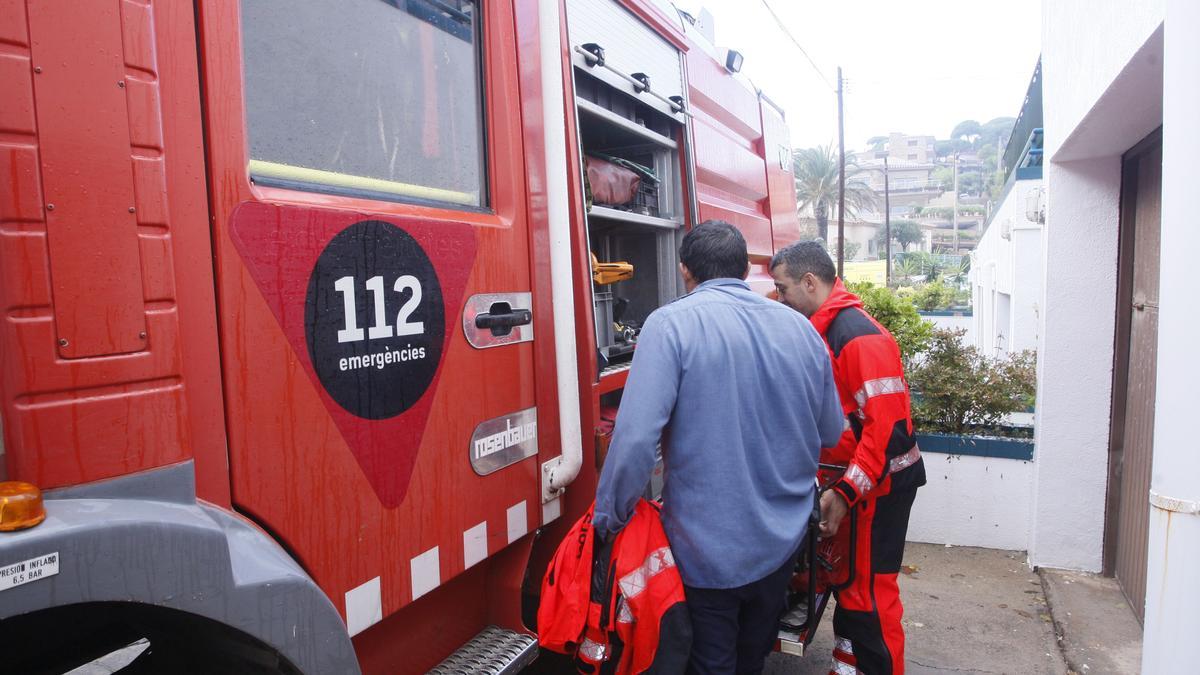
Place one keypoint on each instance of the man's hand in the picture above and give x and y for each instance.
(833, 509)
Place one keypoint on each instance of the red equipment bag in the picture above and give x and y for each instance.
(623, 612)
(611, 184)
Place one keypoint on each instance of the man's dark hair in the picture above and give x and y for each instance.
(714, 249)
(803, 257)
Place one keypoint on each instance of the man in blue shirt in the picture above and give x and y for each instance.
(740, 392)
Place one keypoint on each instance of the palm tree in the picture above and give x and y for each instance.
(816, 174)
(956, 272)
(905, 269)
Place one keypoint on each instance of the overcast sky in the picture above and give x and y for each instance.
(913, 66)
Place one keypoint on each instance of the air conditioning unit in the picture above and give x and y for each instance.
(1035, 205)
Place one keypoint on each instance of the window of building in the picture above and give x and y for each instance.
(912, 143)
(374, 98)
(912, 157)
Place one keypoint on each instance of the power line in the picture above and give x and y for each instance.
(796, 42)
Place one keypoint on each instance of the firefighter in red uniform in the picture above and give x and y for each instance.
(878, 449)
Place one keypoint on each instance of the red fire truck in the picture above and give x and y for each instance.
(303, 343)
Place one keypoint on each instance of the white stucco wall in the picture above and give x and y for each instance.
(1075, 365)
(857, 232)
(1027, 294)
(1102, 94)
(1011, 266)
(967, 323)
(973, 501)
(1172, 585)
(1086, 44)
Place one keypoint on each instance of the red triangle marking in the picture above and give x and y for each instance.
(280, 245)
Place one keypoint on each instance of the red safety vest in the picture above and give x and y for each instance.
(639, 622)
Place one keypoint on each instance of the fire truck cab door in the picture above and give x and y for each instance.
(373, 261)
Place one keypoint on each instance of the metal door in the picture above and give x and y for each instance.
(369, 204)
(1133, 395)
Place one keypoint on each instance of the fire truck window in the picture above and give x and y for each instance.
(373, 98)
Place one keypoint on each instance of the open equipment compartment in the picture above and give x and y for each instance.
(643, 232)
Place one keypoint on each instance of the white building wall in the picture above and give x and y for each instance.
(1075, 365)
(1027, 294)
(973, 501)
(1009, 266)
(1172, 585)
(857, 232)
(1102, 93)
(1085, 46)
(964, 322)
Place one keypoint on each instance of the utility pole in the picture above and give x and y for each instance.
(887, 224)
(955, 214)
(841, 181)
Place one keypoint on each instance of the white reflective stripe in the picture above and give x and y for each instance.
(593, 651)
(635, 582)
(878, 387)
(842, 668)
(843, 645)
(859, 478)
(623, 613)
(904, 461)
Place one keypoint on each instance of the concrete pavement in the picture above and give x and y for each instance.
(973, 610)
(1097, 630)
(967, 610)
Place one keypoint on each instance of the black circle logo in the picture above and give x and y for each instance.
(374, 320)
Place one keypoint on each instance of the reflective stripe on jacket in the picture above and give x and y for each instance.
(879, 447)
(638, 621)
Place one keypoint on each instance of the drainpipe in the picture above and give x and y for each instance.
(557, 473)
(1172, 622)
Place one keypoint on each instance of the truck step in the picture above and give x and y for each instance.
(494, 651)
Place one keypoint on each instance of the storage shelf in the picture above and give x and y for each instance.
(631, 217)
(613, 378)
(644, 134)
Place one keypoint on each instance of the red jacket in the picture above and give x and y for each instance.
(879, 448)
(637, 622)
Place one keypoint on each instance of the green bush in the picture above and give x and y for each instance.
(935, 295)
(898, 315)
(959, 390)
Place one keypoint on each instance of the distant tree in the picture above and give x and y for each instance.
(996, 132)
(877, 142)
(851, 252)
(995, 186)
(816, 173)
(905, 233)
(987, 155)
(967, 130)
(880, 244)
(970, 182)
(944, 175)
(944, 148)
